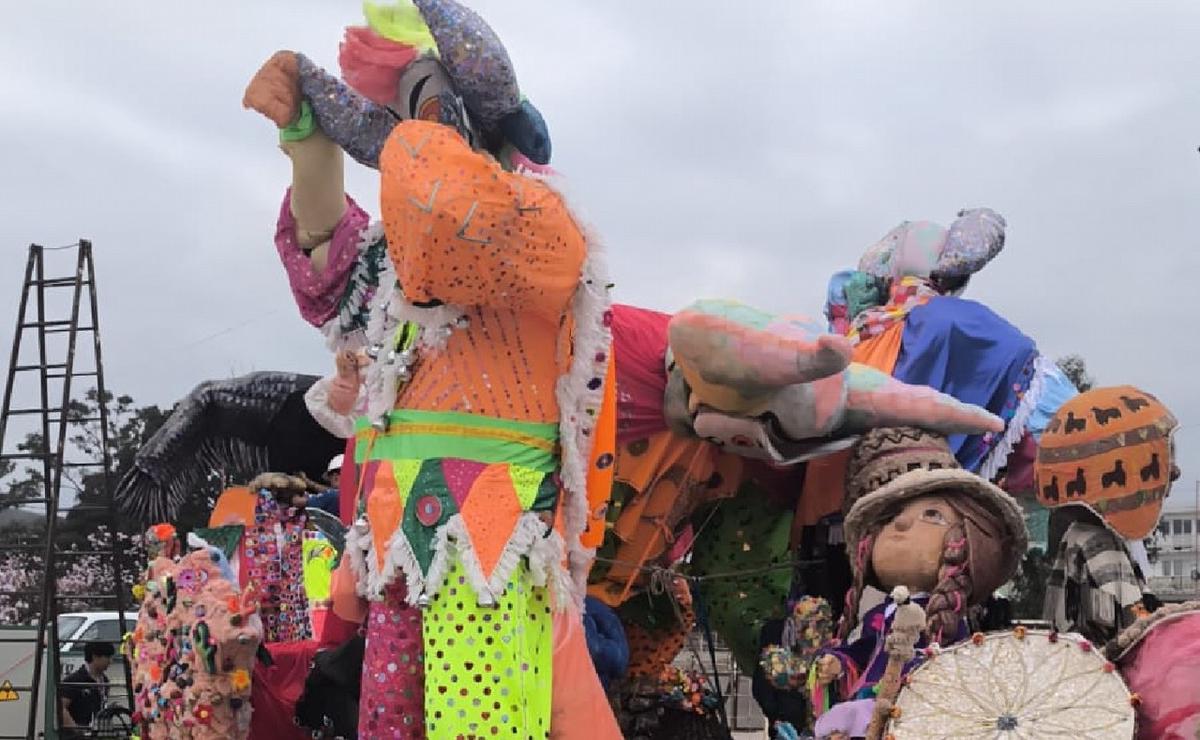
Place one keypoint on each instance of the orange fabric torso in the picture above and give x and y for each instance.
(502, 365)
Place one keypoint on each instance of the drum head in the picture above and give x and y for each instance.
(1025, 684)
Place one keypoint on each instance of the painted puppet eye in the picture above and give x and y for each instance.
(933, 516)
(430, 110)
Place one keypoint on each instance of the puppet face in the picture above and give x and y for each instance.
(425, 92)
(908, 549)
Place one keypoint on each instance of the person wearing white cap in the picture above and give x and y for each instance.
(327, 500)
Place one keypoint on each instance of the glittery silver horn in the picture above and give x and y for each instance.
(475, 59)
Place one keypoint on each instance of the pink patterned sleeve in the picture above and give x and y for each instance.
(319, 293)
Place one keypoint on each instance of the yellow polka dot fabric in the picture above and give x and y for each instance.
(488, 668)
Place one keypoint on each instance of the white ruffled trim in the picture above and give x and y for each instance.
(579, 405)
(358, 543)
(1015, 430)
(316, 399)
(382, 382)
(529, 539)
(437, 324)
(364, 291)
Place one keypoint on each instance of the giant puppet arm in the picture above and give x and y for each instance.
(318, 199)
(358, 125)
(777, 387)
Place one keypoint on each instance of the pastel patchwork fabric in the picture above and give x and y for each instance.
(732, 354)
(911, 249)
(974, 240)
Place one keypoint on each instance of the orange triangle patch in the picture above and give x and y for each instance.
(490, 514)
(7, 693)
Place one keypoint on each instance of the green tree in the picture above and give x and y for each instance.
(83, 484)
(1075, 368)
(1029, 585)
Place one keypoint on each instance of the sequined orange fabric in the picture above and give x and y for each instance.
(500, 245)
(603, 462)
(463, 231)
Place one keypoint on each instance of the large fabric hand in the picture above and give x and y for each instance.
(733, 355)
(777, 388)
(274, 90)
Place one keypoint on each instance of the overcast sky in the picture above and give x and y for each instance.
(742, 150)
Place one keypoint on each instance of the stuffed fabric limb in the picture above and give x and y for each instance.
(358, 125)
(318, 198)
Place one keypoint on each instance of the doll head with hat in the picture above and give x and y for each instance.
(915, 518)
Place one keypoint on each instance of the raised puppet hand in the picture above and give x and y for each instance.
(343, 393)
(275, 89)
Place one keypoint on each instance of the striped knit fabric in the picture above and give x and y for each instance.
(1095, 588)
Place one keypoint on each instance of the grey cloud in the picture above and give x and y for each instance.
(720, 149)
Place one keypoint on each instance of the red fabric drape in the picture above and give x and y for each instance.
(639, 348)
(347, 485)
(275, 690)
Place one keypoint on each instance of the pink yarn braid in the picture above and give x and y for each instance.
(862, 557)
(948, 600)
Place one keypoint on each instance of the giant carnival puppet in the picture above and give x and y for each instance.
(490, 394)
(489, 349)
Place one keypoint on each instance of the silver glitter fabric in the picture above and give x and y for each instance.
(355, 123)
(974, 240)
(475, 58)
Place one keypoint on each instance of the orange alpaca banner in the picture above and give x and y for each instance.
(1109, 449)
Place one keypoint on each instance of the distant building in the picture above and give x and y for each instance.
(1175, 555)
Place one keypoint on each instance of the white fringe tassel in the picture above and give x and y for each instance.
(530, 539)
(1015, 430)
(365, 290)
(579, 405)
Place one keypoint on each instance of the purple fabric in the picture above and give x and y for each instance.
(966, 350)
(318, 294)
(850, 717)
(867, 653)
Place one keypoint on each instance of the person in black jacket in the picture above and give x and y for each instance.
(84, 692)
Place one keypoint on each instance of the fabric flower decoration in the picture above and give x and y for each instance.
(203, 714)
(240, 680)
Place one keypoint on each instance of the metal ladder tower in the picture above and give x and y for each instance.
(55, 370)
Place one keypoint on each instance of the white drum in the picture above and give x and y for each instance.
(1026, 684)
